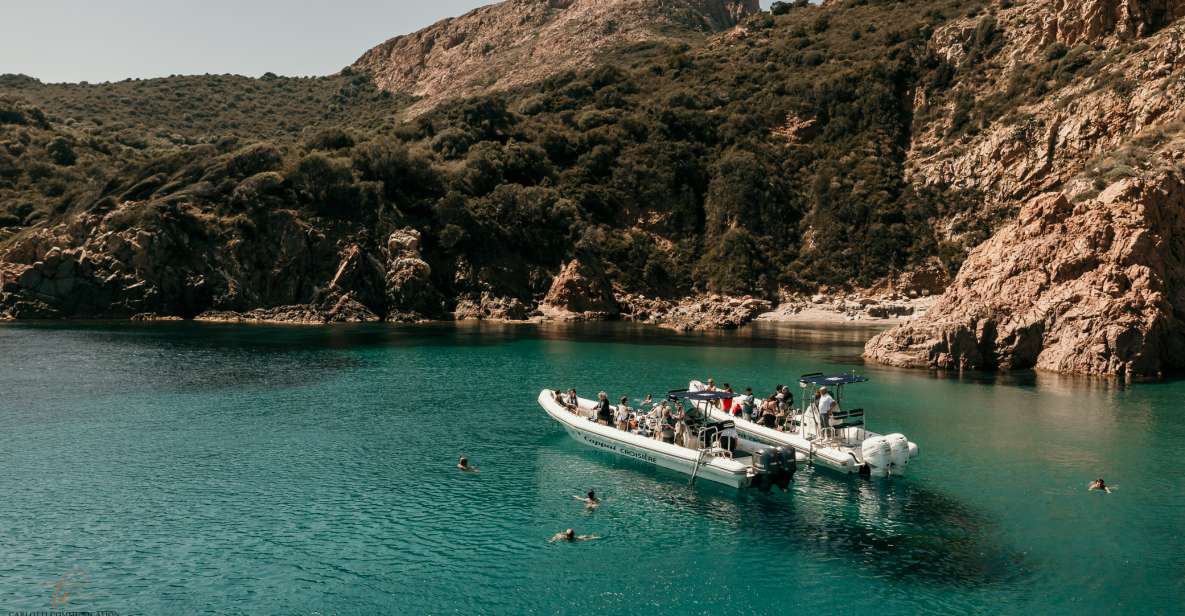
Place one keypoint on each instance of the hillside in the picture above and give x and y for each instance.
(502, 46)
(844, 146)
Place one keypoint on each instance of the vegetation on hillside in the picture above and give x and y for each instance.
(767, 158)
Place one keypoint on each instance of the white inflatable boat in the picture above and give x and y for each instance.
(690, 442)
(840, 442)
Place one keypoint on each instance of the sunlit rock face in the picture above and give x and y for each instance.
(519, 42)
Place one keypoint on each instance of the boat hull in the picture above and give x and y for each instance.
(645, 450)
(844, 459)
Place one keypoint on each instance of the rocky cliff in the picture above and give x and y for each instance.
(1096, 287)
(1058, 88)
(517, 42)
(1084, 100)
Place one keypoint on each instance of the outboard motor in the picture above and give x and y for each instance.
(898, 452)
(764, 462)
(788, 464)
(878, 455)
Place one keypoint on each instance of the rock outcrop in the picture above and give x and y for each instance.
(517, 42)
(492, 308)
(1096, 287)
(714, 312)
(409, 290)
(580, 292)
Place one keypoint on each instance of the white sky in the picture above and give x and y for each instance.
(109, 40)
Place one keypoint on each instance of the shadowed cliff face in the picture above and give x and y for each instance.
(501, 46)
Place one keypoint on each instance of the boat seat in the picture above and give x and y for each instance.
(847, 419)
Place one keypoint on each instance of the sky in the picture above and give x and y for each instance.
(110, 40)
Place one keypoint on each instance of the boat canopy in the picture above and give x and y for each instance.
(820, 379)
(706, 396)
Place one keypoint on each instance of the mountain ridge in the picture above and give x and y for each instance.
(517, 42)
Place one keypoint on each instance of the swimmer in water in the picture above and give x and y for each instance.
(463, 464)
(591, 501)
(570, 535)
(1099, 484)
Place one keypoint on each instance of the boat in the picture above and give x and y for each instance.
(846, 445)
(699, 447)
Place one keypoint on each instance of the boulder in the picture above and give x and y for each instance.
(580, 291)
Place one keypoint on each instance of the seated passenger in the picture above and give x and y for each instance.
(666, 426)
(604, 410)
(622, 415)
(573, 401)
(769, 412)
(788, 398)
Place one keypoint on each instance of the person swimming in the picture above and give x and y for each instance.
(590, 501)
(1099, 484)
(570, 535)
(463, 464)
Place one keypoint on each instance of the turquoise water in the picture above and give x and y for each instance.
(185, 468)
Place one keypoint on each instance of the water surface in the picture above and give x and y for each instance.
(189, 468)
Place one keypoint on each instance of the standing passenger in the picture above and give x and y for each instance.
(726, 403)
(746, 402)
(827, 406)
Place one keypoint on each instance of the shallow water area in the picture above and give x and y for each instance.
(189, 468)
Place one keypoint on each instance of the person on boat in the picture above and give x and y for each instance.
(591, 501)
(826, 405)
(727, 403)
(561, 398)
(787, 398)
(604, 410)
(665, 431)
(463, 464)
(622, 415)
(573, 401)
(1099, 484)
(711, 384)
(570, 535)
(780, 417)
(769, 412)
(745, 401)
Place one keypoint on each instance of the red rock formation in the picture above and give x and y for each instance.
(1092, 288)
(580, 292)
